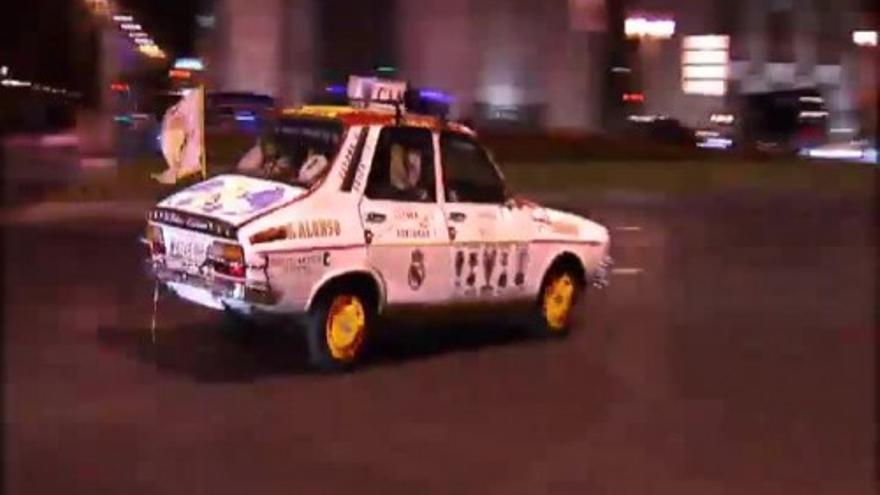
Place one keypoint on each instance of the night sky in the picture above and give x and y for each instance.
(47, 40)
(170, 22)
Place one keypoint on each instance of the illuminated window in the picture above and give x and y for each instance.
(708, 87)
(704, 69)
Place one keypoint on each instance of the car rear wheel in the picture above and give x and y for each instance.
(553, 311)
(337, 328)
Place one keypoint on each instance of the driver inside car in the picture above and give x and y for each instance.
(405, 172)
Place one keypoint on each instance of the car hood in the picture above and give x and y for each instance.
(234, 199)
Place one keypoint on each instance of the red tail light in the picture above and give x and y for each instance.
(155, 239)
(227, 259)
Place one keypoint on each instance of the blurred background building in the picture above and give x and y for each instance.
(762, 68)
(520, 62)
(580, 64)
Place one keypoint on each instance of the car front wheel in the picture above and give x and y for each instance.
(552, 314)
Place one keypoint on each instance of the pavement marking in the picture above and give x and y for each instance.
(629, 228)
(626, 271)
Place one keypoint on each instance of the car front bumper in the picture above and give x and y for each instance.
(601, 276)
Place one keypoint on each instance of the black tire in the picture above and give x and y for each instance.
(321, 356)
(540, 324)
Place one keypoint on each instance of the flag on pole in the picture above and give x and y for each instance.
(183, 138)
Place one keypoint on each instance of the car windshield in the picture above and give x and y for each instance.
(294, 151)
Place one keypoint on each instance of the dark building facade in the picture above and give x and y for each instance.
(546, 62)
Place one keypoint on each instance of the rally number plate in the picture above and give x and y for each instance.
(188, 250)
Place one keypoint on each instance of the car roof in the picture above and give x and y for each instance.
(350, 116)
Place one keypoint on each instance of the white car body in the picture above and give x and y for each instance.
(297, 241)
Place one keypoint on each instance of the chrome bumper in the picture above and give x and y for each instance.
(222, 289)
(602, 273)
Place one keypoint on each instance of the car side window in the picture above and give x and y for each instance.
(468, 174)
(403, 166)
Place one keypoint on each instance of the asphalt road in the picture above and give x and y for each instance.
(733, 353)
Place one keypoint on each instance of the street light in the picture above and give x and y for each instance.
(643, 27)
(130, 26)
(865, 38)
(151, 51)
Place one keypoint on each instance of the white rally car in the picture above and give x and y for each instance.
(409, 212)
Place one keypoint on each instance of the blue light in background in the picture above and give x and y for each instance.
(435, 96)
(335, 89)
(244, 117)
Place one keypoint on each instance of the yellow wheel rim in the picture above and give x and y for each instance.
(346, 324)
(558, 301)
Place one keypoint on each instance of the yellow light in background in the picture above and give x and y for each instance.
(100, 8)
(151, 51)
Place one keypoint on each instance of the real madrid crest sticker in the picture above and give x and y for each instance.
(416, 270)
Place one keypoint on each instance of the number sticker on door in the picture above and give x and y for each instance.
(486, 269)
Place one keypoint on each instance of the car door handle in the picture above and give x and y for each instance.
(457, 216)
(373, 217)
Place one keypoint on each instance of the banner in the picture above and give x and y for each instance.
(183, 138)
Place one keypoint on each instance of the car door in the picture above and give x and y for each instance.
(408, 241)
(488, 236)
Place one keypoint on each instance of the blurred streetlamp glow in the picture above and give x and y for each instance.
(138, 34)
(143, 41)
(15, 83)
(4, 71)
(123, 18)
(151, 51)
(865, 38)
(642, 27)
(130, 26)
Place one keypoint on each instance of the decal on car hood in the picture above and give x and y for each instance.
(232, 198)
